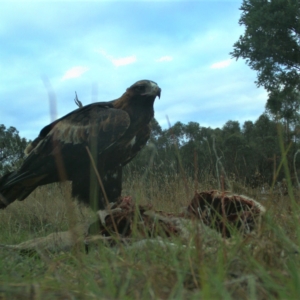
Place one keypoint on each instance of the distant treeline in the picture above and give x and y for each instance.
(250, 153)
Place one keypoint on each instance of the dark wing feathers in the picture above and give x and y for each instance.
(77, 129)
(69, 136)
(105, 124)
(77, 112)
(75, 115)
(80, 125)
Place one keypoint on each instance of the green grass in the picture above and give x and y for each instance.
(264, 265)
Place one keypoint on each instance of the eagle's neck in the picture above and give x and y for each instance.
(140, 109)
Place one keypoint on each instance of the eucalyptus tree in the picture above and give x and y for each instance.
(271, 46)
(11, 148)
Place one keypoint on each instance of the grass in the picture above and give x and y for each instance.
(261, 266)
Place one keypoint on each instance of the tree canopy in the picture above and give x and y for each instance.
(243, 151)
(11, 148)
(271, 46)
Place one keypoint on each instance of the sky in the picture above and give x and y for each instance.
(100, 48)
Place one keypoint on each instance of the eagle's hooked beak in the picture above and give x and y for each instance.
(156, 93)
(159, 92)
(153, 90)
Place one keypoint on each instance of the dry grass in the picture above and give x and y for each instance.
(261, 266)
(47, 209)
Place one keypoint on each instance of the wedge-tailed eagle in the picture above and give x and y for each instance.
(112, 133)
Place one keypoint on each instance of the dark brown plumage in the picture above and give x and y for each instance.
(113, 131)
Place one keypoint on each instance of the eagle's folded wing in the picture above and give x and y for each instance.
(68, 139)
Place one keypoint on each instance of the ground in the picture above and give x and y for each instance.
(264, 265)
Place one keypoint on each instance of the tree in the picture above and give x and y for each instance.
(11, 148)
(271, 46)
(231, 127)
(285, 105)
(156, 131)
(248, 130)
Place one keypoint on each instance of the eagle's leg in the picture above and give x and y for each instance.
(112, 182)
(81, 187)
(108, 190)
(86, 187)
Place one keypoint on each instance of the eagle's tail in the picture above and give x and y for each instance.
(6, 196)
(14, 186)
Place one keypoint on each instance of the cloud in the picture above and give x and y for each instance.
(117, 62)
(194, 87)
(123, 61)
(75, 72)
(164, 58)
(221, 64)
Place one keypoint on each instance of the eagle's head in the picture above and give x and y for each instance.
(144, 89)
(138, 99)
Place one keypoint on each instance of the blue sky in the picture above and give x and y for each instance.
(99, 48)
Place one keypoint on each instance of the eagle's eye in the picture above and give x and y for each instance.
(140, 88)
